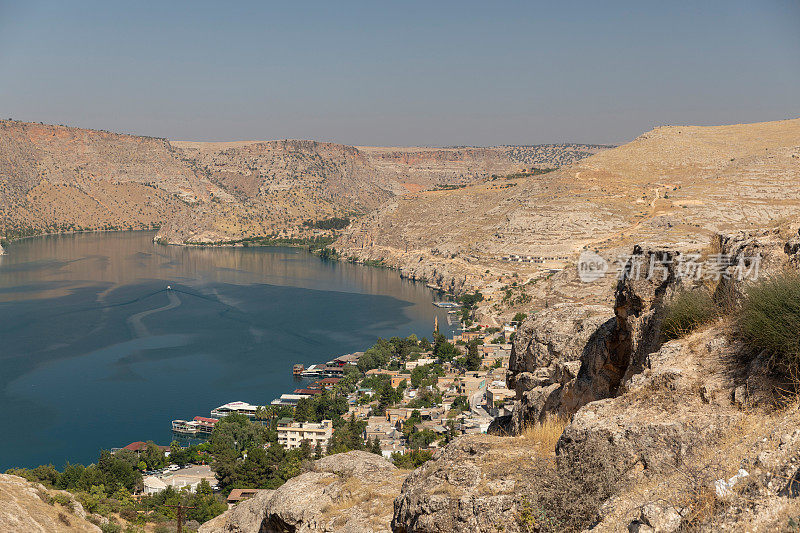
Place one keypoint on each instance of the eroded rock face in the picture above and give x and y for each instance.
(23, 508)
(570, 355)
(546, 357)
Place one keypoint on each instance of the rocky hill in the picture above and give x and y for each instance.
(674, 186)
(58, 178)
(613, 429)
(26, 506)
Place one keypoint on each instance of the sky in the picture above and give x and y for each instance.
(399, 73)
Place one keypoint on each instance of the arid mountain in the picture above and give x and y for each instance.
(54, 178)
(674, 186)
(57, 178)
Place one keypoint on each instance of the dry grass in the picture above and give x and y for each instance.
(544, 434)
(365, 498)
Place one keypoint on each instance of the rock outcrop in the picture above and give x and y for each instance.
(26, 506)
(569, 355)
(245, 517)
(468, 487)
(547, 355)
(348, 492)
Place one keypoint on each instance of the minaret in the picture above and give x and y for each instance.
(436, 324)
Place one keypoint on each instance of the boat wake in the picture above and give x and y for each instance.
(136, 322)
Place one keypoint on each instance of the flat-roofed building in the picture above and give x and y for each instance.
(469, 385)
(395, 377)
(242, 408)
(291, 434)
(289, 400)
(496, 396)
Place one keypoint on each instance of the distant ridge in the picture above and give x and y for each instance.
(60, 179)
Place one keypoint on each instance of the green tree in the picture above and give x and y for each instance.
(473, 359)
(153, 456)
(376, 447)
(204, 487)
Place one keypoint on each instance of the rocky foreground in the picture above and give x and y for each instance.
(613, 430)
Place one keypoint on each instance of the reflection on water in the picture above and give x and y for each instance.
(95, 353)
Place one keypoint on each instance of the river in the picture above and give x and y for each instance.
(95, 353)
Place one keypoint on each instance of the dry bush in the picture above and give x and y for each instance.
(686, 311)
(567, 496)
(769, 321)
(63, 519)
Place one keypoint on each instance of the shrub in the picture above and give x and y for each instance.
(769, 321)
(687, 311)
(62, 499)
(110, 527)
(568, 496)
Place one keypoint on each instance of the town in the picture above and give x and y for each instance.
(417, 398)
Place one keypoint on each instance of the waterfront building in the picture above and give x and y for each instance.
(289, 400)
(199, 424)
(291, 434)
(243, 408)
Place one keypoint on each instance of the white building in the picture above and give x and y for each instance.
(189, 477)
(291, 434)
(153, 485)
(289, 400)
(243, 408)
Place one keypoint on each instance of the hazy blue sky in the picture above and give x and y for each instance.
(436, 73)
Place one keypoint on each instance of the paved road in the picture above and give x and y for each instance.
(475, 406)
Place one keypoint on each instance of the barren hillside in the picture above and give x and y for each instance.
(58, 178)
(674, 186)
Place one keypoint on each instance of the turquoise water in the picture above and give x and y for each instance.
(95, 353)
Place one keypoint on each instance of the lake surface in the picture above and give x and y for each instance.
(95, 353)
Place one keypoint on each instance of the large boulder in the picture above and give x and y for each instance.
(347, 492)
(245, 517)
(466, 487)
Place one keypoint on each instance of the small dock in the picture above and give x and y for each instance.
(447, 305)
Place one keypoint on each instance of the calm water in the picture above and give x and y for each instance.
(94, 353)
